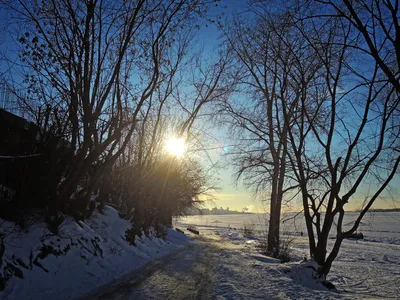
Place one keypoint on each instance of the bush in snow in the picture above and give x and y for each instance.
(248, 230)
(167, 188)
(54, 222)
(37, 264)
(130, 236)
(161, 231)
(284, 251)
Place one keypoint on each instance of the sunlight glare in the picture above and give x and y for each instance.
(175, 146)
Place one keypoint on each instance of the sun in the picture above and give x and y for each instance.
(175, 146)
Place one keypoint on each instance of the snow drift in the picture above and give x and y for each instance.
(85, 255)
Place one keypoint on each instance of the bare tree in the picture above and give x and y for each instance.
(355, 142)
(341, 119)
(144, 177)
(95, 64)
(206, 85)
(266, 55)
(377, 24)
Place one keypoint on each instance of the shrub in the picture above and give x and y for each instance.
(92, 207)
(284, 251)
(248, 230)
(54, 222)
(161, 231)
(130, 236)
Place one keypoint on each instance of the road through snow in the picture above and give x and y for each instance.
(222, 265)
(210, 268)
(185, 274)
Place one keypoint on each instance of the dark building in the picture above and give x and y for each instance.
(17, 135)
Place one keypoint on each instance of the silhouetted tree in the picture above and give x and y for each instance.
(356, 141)
(96, 64)
(266, 62)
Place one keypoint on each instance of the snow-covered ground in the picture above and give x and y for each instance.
(363, 270)
(376, 226)
(220, 263)
(84, 256)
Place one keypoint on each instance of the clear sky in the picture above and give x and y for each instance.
(230, 195)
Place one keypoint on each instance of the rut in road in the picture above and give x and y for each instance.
(185, 274)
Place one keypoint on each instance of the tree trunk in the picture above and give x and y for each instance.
(274, 218)
(326, 267)
(309, 225)
(271, 232)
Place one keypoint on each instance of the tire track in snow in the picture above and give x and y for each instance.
(184, 274)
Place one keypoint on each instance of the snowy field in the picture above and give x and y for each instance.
(376, 226)
(84, 256)
(363, 269)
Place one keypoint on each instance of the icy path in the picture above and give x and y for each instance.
(213, 267)
(185, 274)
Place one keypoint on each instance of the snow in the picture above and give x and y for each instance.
(382, 227)
(363, 269)
(19, 156)
(242, 272)
(304, 273)
(84, 256)
(220, 263)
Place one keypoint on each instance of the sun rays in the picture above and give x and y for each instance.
(175, 146)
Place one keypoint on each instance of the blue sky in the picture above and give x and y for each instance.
(237, 197)
(230, 195)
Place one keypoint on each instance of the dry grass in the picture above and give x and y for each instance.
(248, 230)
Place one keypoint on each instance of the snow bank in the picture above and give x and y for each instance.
(242, 272)
(305, 273)
(83, 256)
